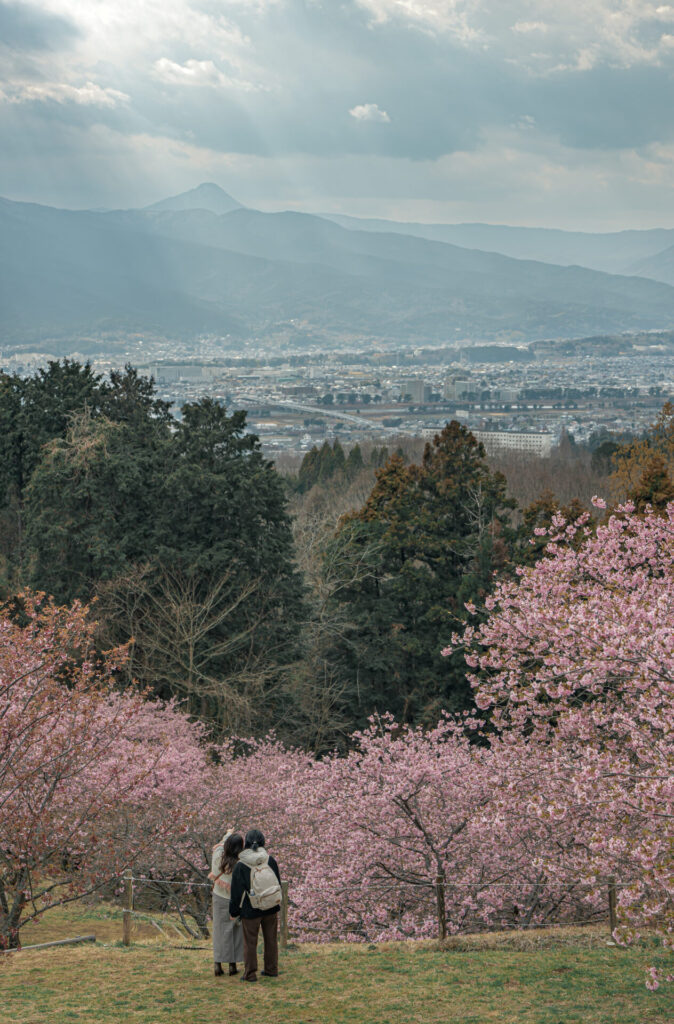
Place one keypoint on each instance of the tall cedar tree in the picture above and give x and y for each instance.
(322, 465)
(132, 507)
(224, 517)
(91, 504)
(35, 411)
(354, 462)
(427, 541)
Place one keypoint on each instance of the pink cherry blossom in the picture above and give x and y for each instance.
(576, 660)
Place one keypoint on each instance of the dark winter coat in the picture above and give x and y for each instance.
(239, 903)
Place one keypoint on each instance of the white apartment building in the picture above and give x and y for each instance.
(498, 441)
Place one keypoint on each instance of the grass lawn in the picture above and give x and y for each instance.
(555, 977)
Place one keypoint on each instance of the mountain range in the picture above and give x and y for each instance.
(201, 262)
(641, 253)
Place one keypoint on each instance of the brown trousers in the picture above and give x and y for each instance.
(251, 928)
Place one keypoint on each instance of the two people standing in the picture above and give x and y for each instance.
(253, 882)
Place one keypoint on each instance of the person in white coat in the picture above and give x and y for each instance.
(227, 935)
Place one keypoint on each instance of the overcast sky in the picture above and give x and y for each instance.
(549, 112)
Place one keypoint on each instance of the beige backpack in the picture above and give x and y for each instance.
(265, 891)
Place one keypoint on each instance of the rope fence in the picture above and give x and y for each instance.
(438, 886)
(431, 883)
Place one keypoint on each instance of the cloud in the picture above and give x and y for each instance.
(26, 27)
(192, 72)
(530, 26)
(88, 95)
(369, 112)
(268, 84)
(275, 76)
(525, 123)
(199, 73)
(143, 31)
(452, 16)
(578, 33)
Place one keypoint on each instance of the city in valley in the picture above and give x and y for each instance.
(514, 398)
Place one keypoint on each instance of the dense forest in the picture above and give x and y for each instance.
(301, 601)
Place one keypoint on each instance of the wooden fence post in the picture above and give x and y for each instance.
(128, 908)
(612, 909)
(442, 913)
(284, 915)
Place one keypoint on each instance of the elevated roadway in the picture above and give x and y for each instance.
(318, 410)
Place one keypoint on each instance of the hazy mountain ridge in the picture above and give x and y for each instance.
(618, 252)
(659, 267)
(245, 272)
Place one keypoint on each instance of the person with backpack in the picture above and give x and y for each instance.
(227, 936)
(256, 898)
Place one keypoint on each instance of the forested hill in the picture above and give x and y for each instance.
(178, 267)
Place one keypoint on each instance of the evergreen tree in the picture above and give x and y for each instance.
(91, 505)
(221, 527)
(14, 438)
(181, 530)
(326, 463)
(36, 410)
(130, 397)
(33, 411)
(603, 457)
(354, 462)
(338, 458)
(378, 456)
(308, 474)
(50, 398)
(427, 540)
(529, 548)
(13, 458)
(655, 488)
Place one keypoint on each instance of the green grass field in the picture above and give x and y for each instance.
(554, 977)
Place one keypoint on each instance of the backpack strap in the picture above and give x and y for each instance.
(245, 892)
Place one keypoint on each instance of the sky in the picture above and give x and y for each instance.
(537, 112)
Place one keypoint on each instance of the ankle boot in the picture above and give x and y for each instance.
(232, 969)
(217, 970)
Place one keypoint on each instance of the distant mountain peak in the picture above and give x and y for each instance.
(209, 188)
(207, 196)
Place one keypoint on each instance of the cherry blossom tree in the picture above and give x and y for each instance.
(83, 769)
(408, 808)
(576, 657)
(242, 784)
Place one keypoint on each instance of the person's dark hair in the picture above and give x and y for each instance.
(230, 853)
(254, 839)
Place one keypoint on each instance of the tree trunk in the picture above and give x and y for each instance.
(9, 920)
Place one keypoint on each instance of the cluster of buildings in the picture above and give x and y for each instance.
(297, 400)
(525, 406)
